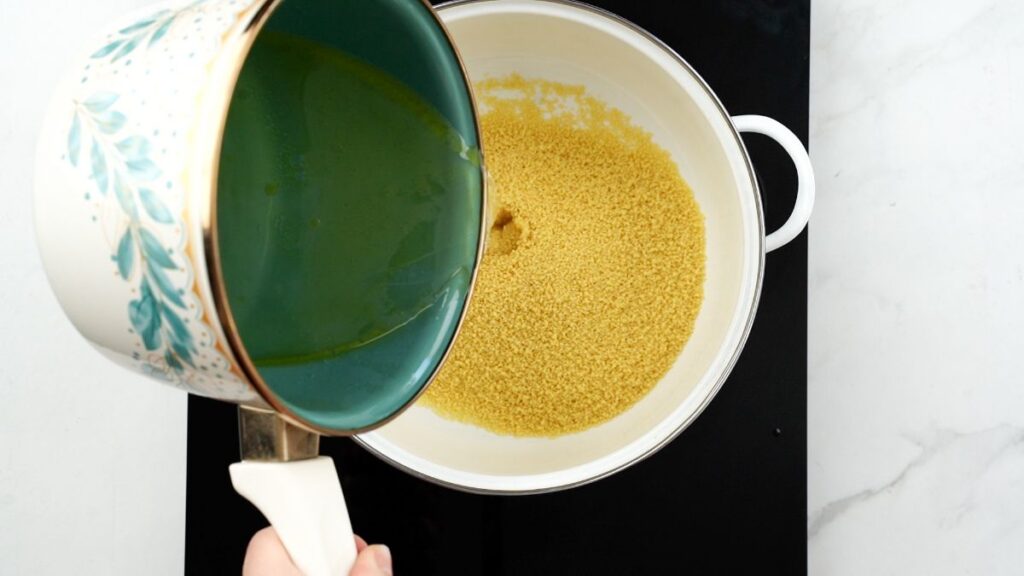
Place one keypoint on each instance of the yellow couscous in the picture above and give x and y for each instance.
(594, 269)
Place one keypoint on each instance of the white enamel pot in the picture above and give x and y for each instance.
(632, 70)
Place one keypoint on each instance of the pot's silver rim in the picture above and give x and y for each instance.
(744, 334)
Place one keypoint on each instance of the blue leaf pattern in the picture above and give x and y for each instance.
(145, 317)
(126, 49)
(155, 207)
(106, 50)
(173, 362)
(138, 314)
(124, 197)
(152, 338)
(75, 140)
(131, 37)
(165, 286)
(110, 121)
(100, 101)
(125, 254)
(183, 353)
(154, 251)
(134, 147)
(122, 161)
(99, 167)
(179, 332)
(143, 169)
(160, 32)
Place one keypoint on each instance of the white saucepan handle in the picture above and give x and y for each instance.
(804, 175)
(303, 502)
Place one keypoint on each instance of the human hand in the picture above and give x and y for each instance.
(266, 556)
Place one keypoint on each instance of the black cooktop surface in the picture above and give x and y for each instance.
(726, 497)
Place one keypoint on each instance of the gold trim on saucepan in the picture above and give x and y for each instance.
(237, 50)
(203, 130)
(748, 324)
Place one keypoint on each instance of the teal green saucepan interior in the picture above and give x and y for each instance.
(349, 206)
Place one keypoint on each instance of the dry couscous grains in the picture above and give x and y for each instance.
(593, 274)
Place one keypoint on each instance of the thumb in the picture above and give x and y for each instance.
(373, 561)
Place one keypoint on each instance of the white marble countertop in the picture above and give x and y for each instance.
(916, 414)
(916, 336)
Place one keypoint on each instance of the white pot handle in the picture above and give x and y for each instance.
(804, 175)
(303, 502)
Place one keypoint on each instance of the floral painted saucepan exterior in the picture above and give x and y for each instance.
(126, 218)
(116, 183)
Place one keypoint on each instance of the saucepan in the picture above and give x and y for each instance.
(279, 204)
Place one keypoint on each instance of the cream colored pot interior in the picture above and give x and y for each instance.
(632, 72)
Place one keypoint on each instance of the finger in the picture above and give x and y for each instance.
(266, 556)
(373, 561)
(360, 544)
